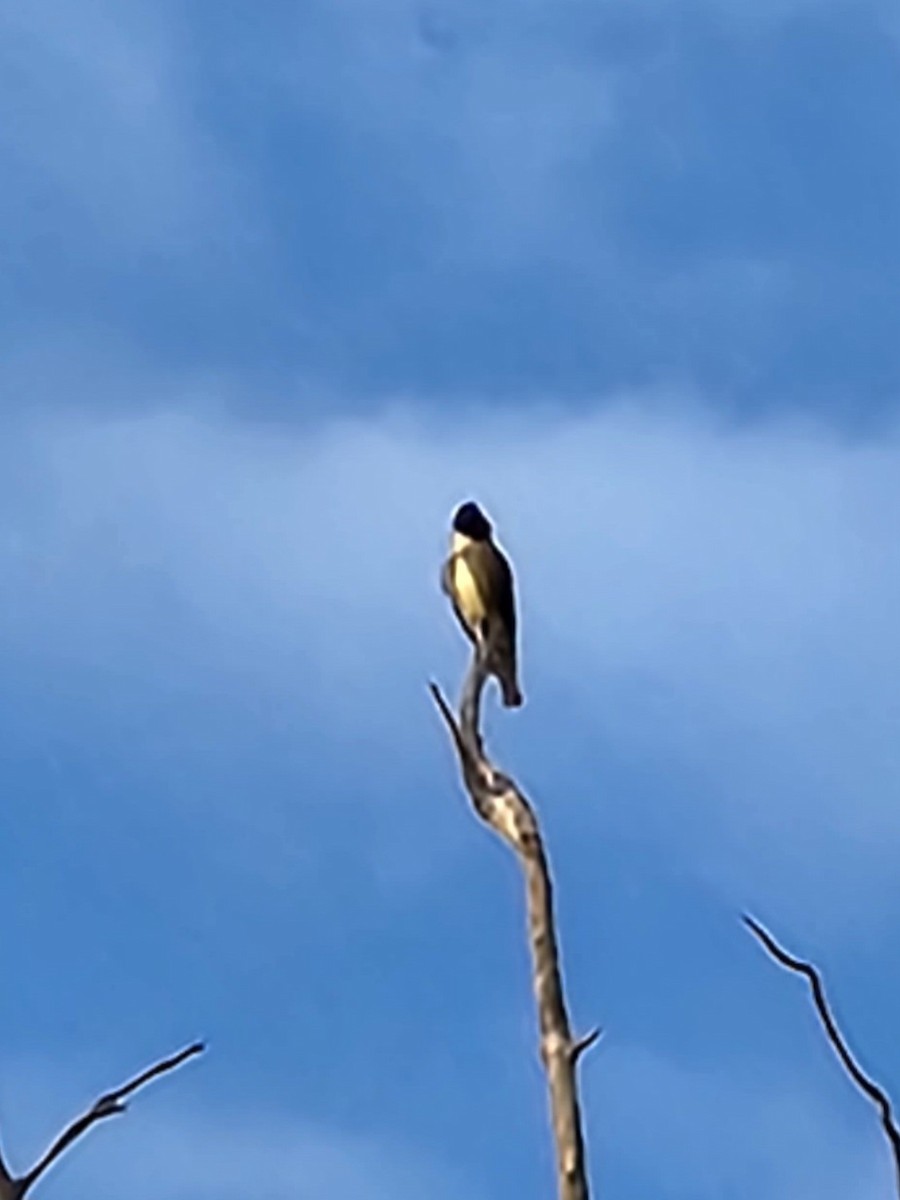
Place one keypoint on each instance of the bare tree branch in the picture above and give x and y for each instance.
(108, 1105)
(499, 802)
(869, 1088)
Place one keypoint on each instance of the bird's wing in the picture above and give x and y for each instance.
(496, 577)
(498, 591)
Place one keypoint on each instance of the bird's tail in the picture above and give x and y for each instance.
(507, 675)
(512, 697)
(500, 653)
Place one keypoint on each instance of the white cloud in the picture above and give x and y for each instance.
(162, 1150)
(195, 1158)
(714, 602)
(682, 1131)
(718, 600)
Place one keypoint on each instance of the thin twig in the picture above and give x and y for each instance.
(585, 1043)
(864, 1083)
(500, 803)
(108, 1105)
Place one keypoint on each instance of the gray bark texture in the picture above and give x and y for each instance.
(500, 803)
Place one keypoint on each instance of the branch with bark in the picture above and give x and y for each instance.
(499, 803)
(873, 1092)
(14, 1187)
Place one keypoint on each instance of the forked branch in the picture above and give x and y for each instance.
(864, 1083)
(108, 1105)
(500, 803)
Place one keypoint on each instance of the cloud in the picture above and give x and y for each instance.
(164, 1150)
(509, 200)
(680, 1131)
(476, 124)
(224, 629)
(96, 115)
(654, 1124)
(278, 1159)
(718, 600)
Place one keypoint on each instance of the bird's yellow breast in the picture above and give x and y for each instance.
(465, 588)
(468, 596)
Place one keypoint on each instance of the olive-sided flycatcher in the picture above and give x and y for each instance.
(479, 581)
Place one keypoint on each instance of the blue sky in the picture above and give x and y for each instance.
(281, 287)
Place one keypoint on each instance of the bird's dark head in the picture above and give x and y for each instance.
(471, 522)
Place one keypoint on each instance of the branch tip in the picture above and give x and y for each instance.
(110, 1104)
(585, 1043)
(867, 1086)
(776, 950)
(443, 707)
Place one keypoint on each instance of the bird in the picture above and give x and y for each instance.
(479, 581)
